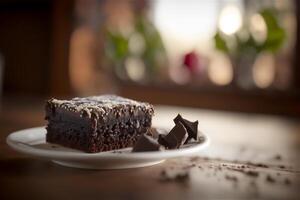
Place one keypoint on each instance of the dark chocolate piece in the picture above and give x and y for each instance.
(152, 132)
(98, 123)
(146, 143)
(161, 140)
(191, 127)
(175, 138)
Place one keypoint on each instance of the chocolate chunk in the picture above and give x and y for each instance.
(153, 132)
(175, 138)
(191, 127)
(146, 143)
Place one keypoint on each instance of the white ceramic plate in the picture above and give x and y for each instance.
(32, 142)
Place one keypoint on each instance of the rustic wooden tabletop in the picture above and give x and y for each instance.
(250, 157)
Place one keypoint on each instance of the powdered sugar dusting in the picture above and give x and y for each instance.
(98, 105)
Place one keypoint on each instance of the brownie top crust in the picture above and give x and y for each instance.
(100, 106)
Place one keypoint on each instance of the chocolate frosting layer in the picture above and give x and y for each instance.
(105, 107)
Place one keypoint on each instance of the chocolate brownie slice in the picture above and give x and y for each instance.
(97, 123)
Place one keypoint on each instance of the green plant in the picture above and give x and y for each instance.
(153, 54)
(275, 37)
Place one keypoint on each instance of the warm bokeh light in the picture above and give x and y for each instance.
(180, 75)
(264, 70)
(258, 28)
(135, 68)
(230, 20)
(220, 69)
(82, 64)
(185, 20)
(186, 25)
(136, 44)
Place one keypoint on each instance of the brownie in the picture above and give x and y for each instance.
(97, 123)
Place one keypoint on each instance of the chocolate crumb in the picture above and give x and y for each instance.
(189, 166)
(205, 158)
(277, 157)
(287, 181)
(251, 173)
(270, 179)
(179, 177)
(182, 177)
(194, 159)
(281, 166)
(256, 164)
(231, 178)
(262, 165)
(249, 163)
(163, 173)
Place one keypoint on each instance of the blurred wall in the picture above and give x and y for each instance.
(25, 45)
(34, 42)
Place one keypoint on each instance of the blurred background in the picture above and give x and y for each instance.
(236, 55)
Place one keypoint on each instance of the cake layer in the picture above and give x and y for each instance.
(101, 141)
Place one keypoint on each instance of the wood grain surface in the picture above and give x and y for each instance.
(250, 157)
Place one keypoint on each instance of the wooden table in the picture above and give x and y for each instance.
(251, 156)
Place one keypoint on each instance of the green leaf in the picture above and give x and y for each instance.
(220, 43)
(117, 46)
(276, 35)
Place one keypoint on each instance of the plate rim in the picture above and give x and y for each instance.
(51, 154)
